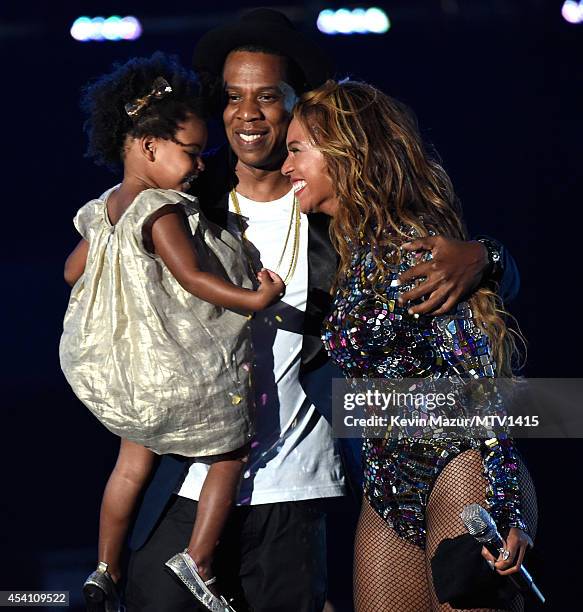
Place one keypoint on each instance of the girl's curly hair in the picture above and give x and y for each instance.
(104, 100)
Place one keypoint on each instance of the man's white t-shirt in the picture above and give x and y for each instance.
(293, 455)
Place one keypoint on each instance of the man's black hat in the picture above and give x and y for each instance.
(265, 28)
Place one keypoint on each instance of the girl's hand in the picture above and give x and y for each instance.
(271, 288)
(516, 544)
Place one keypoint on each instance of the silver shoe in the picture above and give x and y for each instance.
(100, 591)
(185, 569)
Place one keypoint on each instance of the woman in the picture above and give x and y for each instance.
(356, 155)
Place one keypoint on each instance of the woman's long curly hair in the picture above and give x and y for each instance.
(388, 184)
(104, 99)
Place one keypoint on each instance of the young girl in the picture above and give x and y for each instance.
(156, 341)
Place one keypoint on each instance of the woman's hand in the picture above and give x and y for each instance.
(456, 269)
(516, 544)
(271, 288)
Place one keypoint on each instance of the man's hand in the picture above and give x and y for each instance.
(456, 269)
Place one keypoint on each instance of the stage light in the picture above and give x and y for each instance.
(82, 29)
(110, 28)
(325, 22)
(113, 28)
(572, 11)
(130, 28)
(97, 31)
(353, 21)
(376, 21)
(343, 21)
(359, 25)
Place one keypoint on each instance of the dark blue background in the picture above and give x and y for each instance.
(498, 90)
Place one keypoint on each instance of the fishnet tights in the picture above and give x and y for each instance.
(392, 574)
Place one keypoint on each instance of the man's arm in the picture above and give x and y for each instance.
(456, 268)
(502, 269)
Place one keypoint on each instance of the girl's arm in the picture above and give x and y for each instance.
(75, 264)
(173, 242)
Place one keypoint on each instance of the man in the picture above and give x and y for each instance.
(272, 554)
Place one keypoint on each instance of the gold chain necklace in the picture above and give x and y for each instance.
(295, 216)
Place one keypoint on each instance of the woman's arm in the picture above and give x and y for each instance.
(504, 498)
(75, 264)
(465, 351)
(174, 244)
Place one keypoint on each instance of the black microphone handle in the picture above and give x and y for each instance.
(523, 580)
(494, 545)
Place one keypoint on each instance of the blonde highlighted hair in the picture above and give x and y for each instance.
(387, 185)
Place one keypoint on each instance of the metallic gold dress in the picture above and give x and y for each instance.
(155, 364)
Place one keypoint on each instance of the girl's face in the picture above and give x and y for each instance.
(176, 163)
(306, 168)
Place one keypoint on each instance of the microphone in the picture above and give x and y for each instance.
(481, 525)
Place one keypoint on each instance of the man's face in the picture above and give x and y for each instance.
(258, 107)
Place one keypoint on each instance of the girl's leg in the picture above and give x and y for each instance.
(389, 571)
(216, 500)
(133, 466)
(462, 482)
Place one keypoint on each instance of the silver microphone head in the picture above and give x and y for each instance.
(479, 523)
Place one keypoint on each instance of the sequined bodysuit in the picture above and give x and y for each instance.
(370, 336)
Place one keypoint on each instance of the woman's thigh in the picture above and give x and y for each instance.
(389, 571)
(461, 482)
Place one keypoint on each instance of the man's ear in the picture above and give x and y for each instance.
(148, 146)
(289, 96)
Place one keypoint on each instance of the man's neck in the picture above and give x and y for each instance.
(261, 185)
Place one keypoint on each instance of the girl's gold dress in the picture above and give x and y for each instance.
(155, 364)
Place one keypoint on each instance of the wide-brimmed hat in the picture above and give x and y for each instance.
(265, 28)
